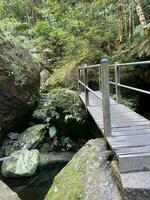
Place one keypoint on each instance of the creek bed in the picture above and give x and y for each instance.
(35, 187)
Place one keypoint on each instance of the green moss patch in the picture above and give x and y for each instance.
(69, 183)
(65, 76)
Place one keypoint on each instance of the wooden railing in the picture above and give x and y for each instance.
(103, 69)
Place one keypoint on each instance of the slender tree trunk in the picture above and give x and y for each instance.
(130, 22)
(120, 22)
(140, 13)
(107, 29)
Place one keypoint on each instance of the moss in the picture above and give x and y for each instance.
(73, 181)
(65, 76)
(19, 75)
(69, 183)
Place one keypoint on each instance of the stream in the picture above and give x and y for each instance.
(36, 187)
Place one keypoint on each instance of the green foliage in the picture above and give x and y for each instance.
(141, 41)
(63, 34)
(59, 30)
(62, 104)
(67, 143)
(52, 131)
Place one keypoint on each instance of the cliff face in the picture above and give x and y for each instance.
(19, 84)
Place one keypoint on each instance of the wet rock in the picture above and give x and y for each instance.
(31, 138)
(54, 158)
(22, 163)
(87, 176)
(46, 147)
(19, 84)
(13, 136)
(6, 193)
(7, 142)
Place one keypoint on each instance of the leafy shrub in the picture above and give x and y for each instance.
(62, 104)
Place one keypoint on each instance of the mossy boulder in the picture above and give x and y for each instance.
(31, 138)
(19, 84)
(61, 108)
(64, 76)
(22, 163)
(87, 176)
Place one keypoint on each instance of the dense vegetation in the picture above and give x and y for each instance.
(58, 30)
(63, 33)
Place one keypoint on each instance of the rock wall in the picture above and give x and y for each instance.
(19, 84)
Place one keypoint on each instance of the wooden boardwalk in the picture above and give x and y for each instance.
(126, 132)
(130, 133)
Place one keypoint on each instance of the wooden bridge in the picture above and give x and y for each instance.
(126, 132)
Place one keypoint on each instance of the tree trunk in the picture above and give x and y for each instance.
(120, 22)
(106, 27)
(140, 13)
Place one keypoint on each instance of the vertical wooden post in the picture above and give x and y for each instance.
(86, 84)
(78, 76)
(106, 97)
(117, 81)
(100, 78)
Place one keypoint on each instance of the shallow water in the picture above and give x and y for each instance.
(36, 187)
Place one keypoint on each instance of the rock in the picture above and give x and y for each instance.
(44, 74)
(19, 84)
(54, 158)
(87, 176)
(13, 136)
(21, 164)
(7, 142)
(6, 193)
(64, 76)
(46, 147)
(31, 138)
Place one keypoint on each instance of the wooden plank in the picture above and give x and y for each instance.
(129, 141)
(132, 150)
(131, 132)
(123, 129)
(133, 162)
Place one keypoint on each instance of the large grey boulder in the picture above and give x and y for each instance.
(19, 84)
(31, 138)
(87, 176)
(6, 193)
(21, 164)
